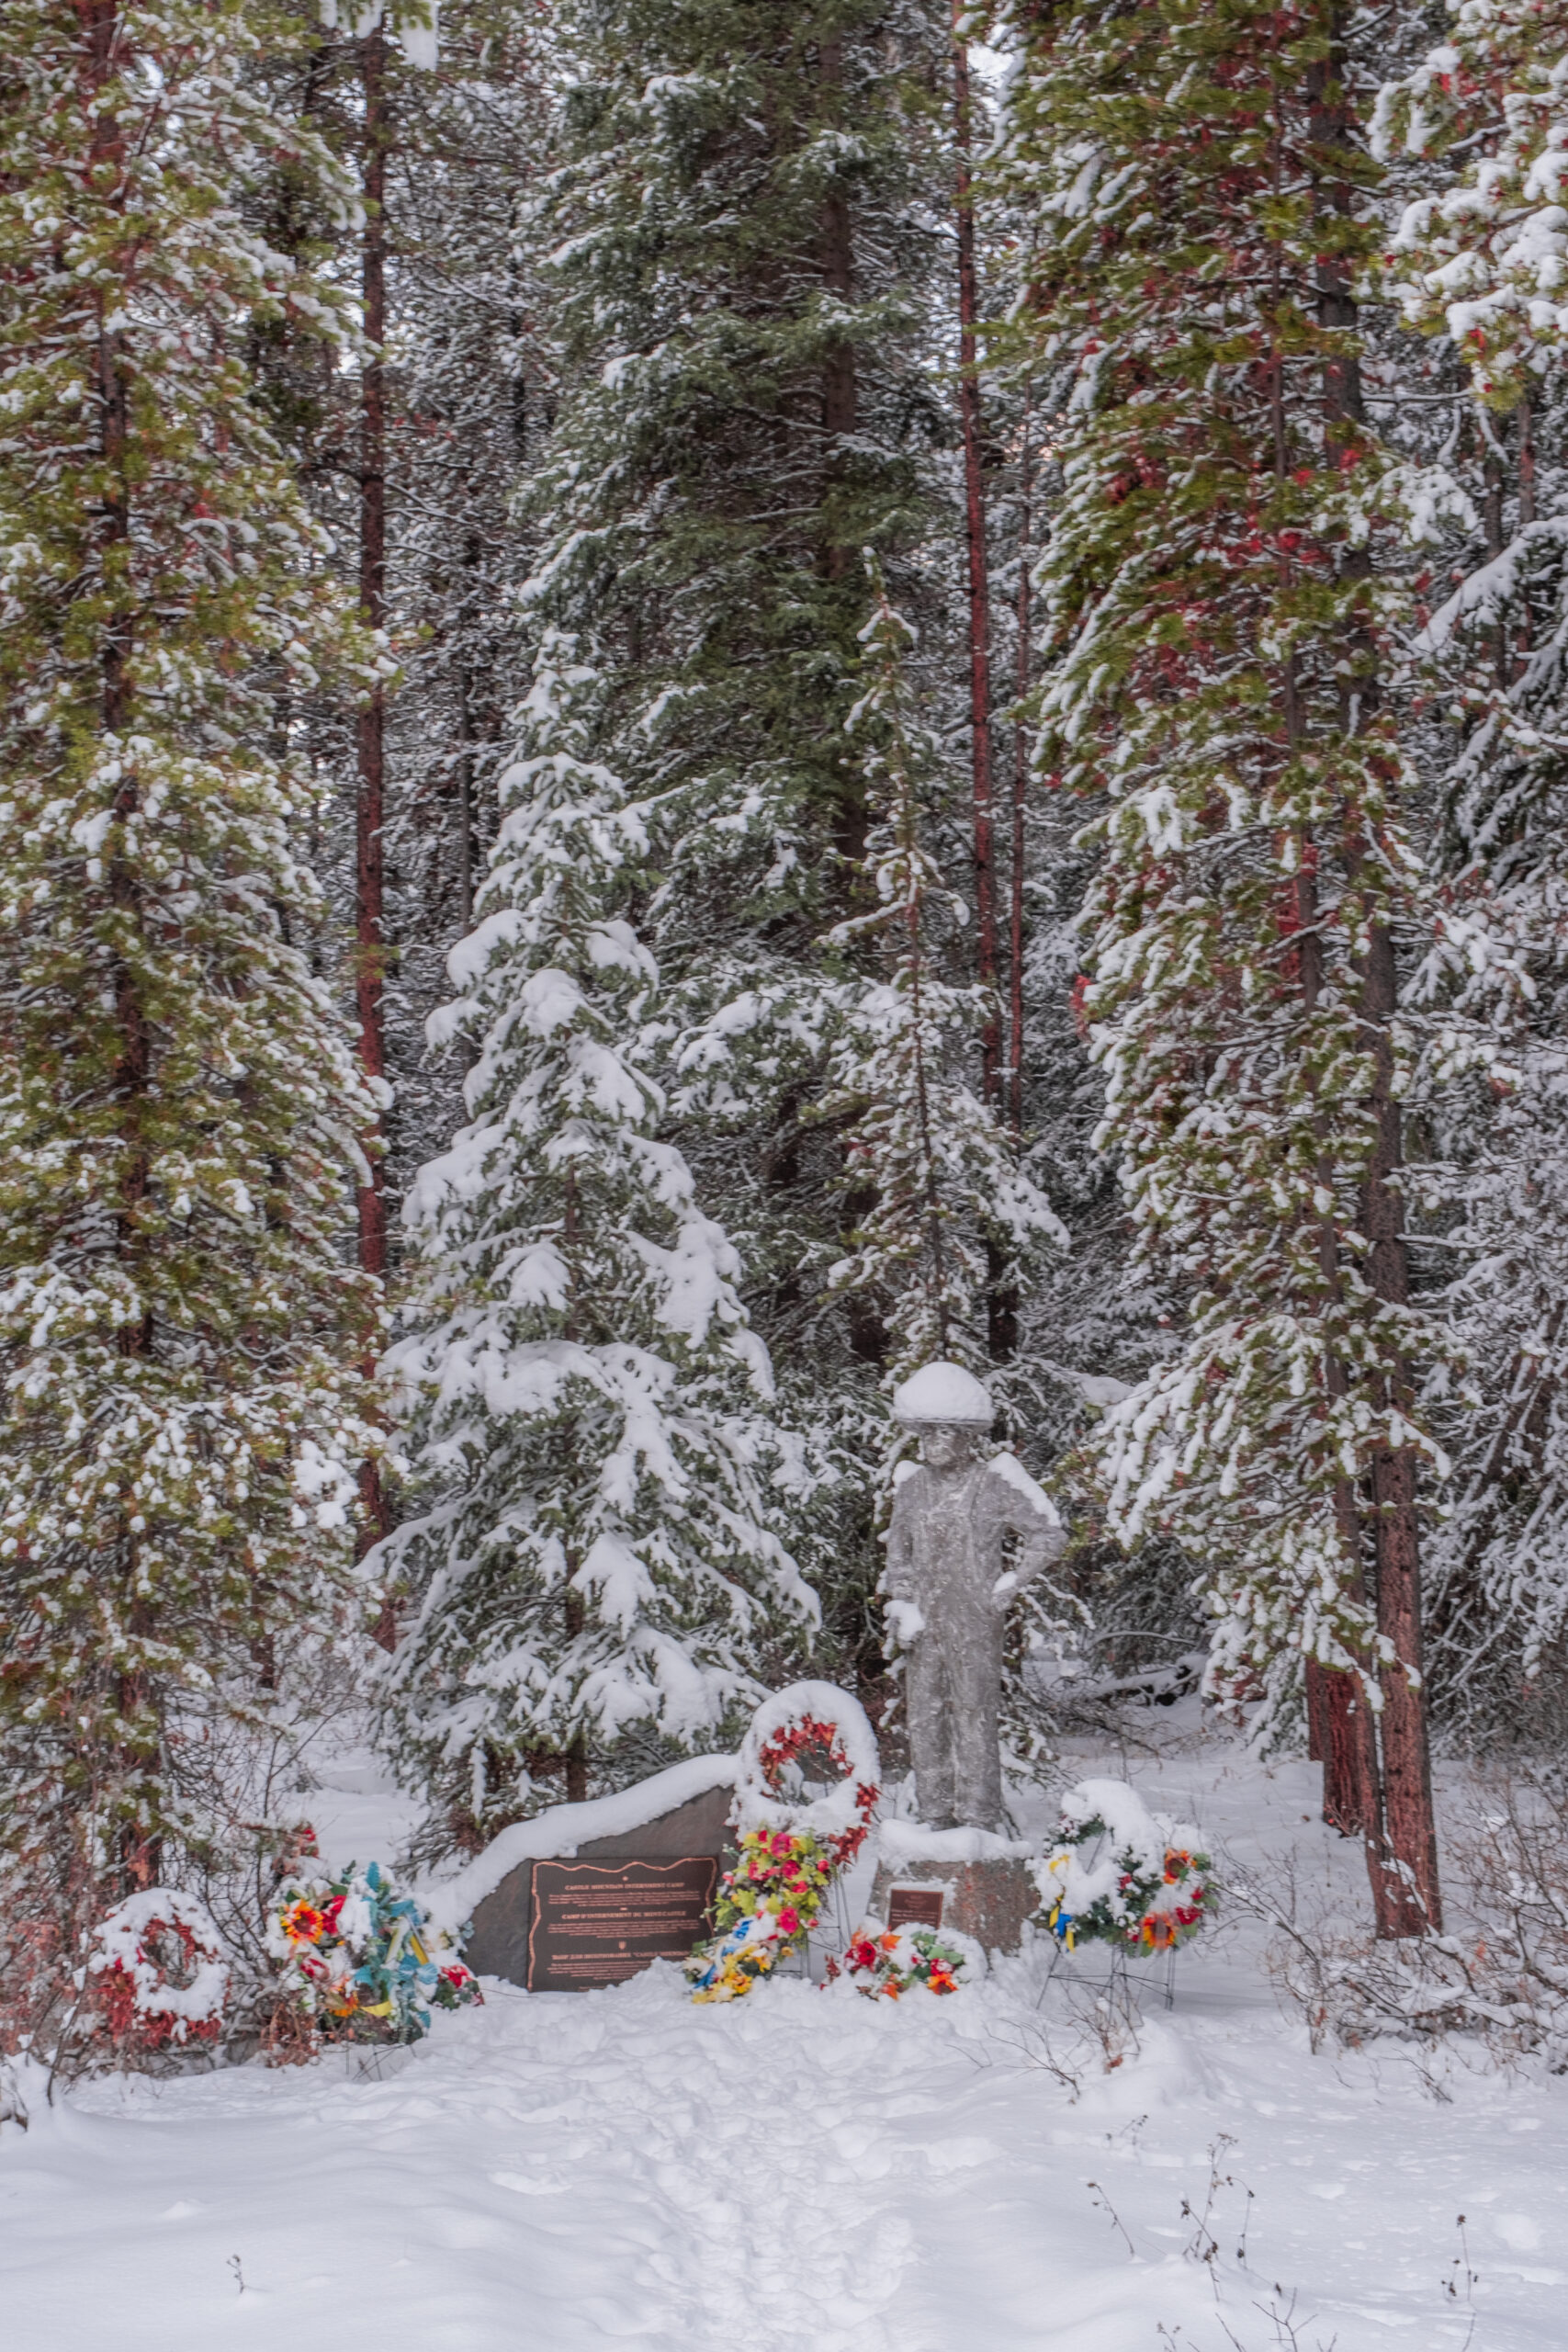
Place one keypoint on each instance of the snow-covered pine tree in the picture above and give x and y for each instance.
(929, 1161)
(179, 1334)
(746, 252)
(1475, 266)
(1217, 608)
(592, 1561)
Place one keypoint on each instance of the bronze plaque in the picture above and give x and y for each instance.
(914, 1907)
(598, 1923)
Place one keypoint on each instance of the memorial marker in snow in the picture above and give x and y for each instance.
(589, 1895)
(598, 1923)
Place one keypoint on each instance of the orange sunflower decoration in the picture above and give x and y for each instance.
(303, 1924)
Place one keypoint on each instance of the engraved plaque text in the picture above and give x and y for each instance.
(598, 1923)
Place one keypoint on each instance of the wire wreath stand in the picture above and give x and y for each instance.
(1123, 1977)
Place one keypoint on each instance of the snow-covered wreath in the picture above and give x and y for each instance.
(791, 1845)
(1123, 1874)
(158, 1972)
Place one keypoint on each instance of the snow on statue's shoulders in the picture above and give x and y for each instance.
(1009, 1466)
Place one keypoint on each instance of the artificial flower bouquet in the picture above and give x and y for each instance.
(766, 1906)
(886, 1962)
(1120, 1874)
(362, 1960)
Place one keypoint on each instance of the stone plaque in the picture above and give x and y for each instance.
(504, 1919)
(992, 1900)
(914, 1907)
(598, 1923)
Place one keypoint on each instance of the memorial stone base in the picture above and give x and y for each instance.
(990, 1899)
(599, 1912)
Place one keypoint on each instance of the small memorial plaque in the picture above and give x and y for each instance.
(598, 1923)
(914, 1907)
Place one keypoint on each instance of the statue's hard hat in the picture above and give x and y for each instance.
(945, 1396)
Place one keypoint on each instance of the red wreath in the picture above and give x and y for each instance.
(787, 1746)
(127, 2014)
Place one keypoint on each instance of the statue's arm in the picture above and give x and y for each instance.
(897, 1579)
(1018, 1506)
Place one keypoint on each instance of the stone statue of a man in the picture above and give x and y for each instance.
(948, 1584)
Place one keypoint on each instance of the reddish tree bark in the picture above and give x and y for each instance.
(1378, 1782)
(1341, 1735)
(1404, 1865)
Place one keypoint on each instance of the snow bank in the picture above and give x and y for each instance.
(624, 2168)
(557, 1835)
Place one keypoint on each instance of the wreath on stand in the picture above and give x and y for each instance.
(791, 1848)
(1121, 1875)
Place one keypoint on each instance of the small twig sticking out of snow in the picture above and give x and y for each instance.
(1036, 2045)
(1461, 2282)
(1099, 2197)
(1203, 2246)
(1282, 2318)
(239, 2274)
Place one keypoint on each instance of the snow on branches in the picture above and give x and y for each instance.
(180, 1339)
(593, 1438)
(1221, 587)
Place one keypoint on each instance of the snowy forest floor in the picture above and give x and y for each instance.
(811, 2173)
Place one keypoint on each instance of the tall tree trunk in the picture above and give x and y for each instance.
(370, 805)
(371, 940)
(139, 1855)
(1001, 1290)
(840, 391)
(983, 821)
(1404, 1871)
(1020, 779)
(1341, 1732)
(1397, 1822)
